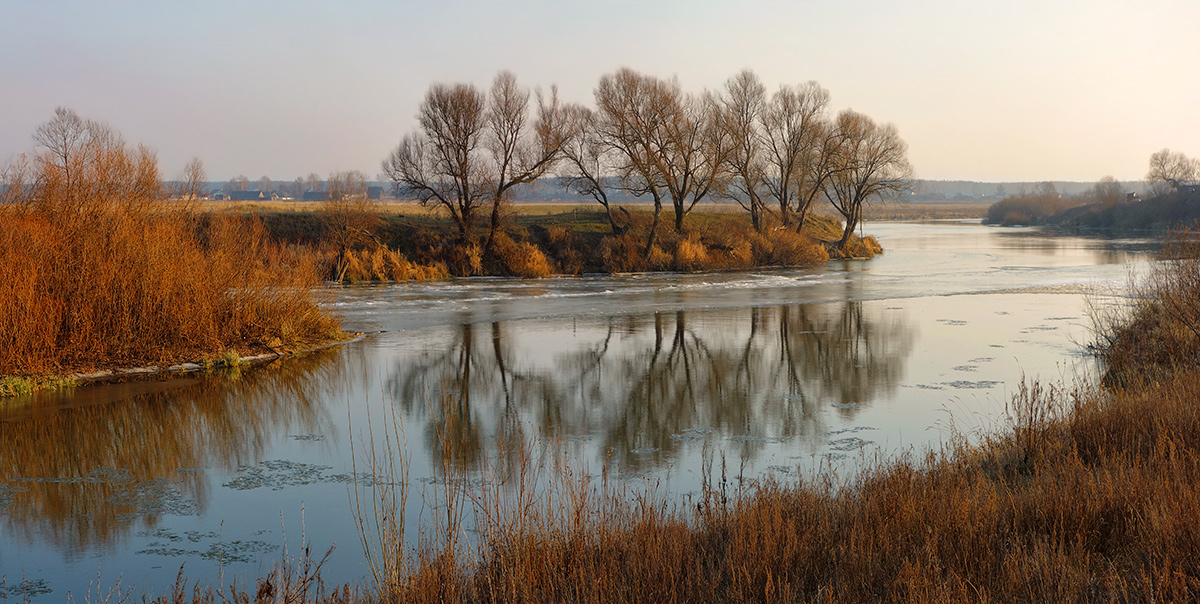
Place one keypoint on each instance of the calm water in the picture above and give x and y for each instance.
(774, 371)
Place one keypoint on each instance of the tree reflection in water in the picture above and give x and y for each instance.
(84, 474)
(644, 385)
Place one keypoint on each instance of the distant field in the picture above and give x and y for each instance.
(891, 211)
(925, 211)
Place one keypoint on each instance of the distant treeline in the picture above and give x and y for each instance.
(1166, 199)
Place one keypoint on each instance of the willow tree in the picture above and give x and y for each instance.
(439, 164)
(520, 151)
(588, 161)
(666, 144)
(472, 148)
(872, 163)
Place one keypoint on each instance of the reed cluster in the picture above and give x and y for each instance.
(100, 270)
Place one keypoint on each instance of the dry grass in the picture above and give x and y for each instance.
(99, 272)
(1158, 333)
(381, 264)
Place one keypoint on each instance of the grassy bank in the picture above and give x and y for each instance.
(540, 240)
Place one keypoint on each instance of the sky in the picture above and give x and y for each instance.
(988, 90)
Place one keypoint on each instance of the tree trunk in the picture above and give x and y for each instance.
(653, 229)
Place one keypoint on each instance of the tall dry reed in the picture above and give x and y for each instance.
(99, 270)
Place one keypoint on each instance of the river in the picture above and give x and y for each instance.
(645, 377)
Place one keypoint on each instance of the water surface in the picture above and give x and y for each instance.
(774, 371)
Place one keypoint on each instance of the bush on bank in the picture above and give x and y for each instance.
(100, 270)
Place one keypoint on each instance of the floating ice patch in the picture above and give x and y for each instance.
(643, 451)
(279, 473)
(234, 551)
(954, 322)
(965, 367)
(155, 496)
(781, 469)
(850, 443)
(23, 589)
(173, 537)
(851, 430)
(747, 438)
(850, 405)
(96, 476)
(981, 360)
(969, 385)
(691, 435)
(307, 437)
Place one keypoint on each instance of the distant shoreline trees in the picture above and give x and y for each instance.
(773, 155)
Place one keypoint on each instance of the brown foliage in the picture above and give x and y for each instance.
(100, 271)
(1158, 333)
(519, 259)
(382, 264)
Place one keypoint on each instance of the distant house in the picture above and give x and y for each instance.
(219, 196)
(252, 195)
(374, 192)
(314, 196)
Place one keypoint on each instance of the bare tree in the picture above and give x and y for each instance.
(265, 184)
(238, 183)
(348, 214)
(873, 163)
(83, 162)
(588, 161)
(440, 164)
(192, 182)
(313, 183)
(1107, 192)
(1168, 169)
(668, 145)
(782, 149)
(804, 147)
(741, 111)
(519, 155)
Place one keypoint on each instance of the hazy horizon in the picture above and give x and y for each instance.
(1017, 91)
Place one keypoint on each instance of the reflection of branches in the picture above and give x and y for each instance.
(87, 473)
(642, 381)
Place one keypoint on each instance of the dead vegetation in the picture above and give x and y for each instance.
(100, 271)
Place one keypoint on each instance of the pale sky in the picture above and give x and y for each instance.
(1016, 90)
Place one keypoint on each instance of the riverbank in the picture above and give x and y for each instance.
(403, 241)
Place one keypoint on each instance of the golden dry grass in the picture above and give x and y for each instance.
(99, 272)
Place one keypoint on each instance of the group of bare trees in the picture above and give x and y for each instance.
(771, 153)
(1168, 169)
(472, 148)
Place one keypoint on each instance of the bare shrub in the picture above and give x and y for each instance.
(103, 271)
